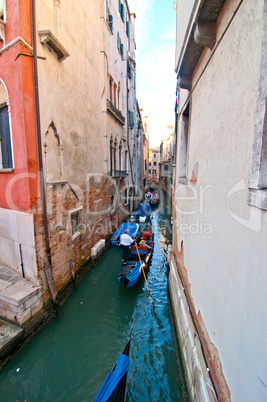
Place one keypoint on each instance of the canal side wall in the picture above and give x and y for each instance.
(199, 383)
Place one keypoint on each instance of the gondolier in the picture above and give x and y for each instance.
(126, 240)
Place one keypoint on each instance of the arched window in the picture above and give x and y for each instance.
(53, 151)
(2, 10)
(6, 160)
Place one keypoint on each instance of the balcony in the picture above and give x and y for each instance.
(115, 112)
(118, 173)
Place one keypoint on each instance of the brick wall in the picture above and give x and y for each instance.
(98, 220)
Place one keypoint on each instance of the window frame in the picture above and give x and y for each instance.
(4, 12)
(257, 189)
(6, 104)
(74, 231)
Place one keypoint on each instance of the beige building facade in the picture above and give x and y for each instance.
(218, 257)
(167, 160)
(153, 164)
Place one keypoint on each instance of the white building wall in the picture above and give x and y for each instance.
(17, 230)
(224, 238)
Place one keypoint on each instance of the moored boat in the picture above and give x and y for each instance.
(141, 213)
(113, 388)
(139, 257)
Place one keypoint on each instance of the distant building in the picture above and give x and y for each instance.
(218, 276)
(167, 154)
(153, 165)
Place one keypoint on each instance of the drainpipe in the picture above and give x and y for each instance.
(48, 263)
(135, 137)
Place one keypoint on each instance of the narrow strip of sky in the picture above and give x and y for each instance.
(155, 58)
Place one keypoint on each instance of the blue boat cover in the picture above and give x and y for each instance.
(131, 226)
(133, 276)
(113, 379)
(142, 210)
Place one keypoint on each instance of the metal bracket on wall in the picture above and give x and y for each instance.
(29, 55)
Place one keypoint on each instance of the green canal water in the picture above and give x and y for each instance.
(69, 359)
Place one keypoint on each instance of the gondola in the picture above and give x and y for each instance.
(141, 214)
(154, 201)
(139, 257)
(113, 388)
(131, 226)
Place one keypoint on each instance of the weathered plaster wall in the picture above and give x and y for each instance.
(19, 186)
(223, 237)
(70, 90)
(17, 228)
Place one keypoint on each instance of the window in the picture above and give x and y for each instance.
(112, 201)
(119, 44)
(119, 92)
(120, 158)
(111, 89)
(114, 92)
(75, 217)
(110, 23)
(129, 70)
(6, 161)
(149, 163)
(184, 146)
(115, 156)
(2, 10)
(166, 167)
(145, 164)
(131, 119)
(154, 171)
(149, 171)
(155, 155)
(127, 29)
(125, 161)
(125, 196)
(154, 163)
(121, 10)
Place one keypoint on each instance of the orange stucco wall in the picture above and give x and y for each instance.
(19, 189)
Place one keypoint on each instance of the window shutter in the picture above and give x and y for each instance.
(121, 50)
(5, 139)
(122, 12)
(119, 5)
(110, 19)
(131, 120)
(127, 28)
(129, 70)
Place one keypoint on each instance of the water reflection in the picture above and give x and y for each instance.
(69, 359)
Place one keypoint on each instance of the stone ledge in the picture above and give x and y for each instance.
(9, 334)
(19, 293)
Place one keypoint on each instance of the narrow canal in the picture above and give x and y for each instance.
(69, 359)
